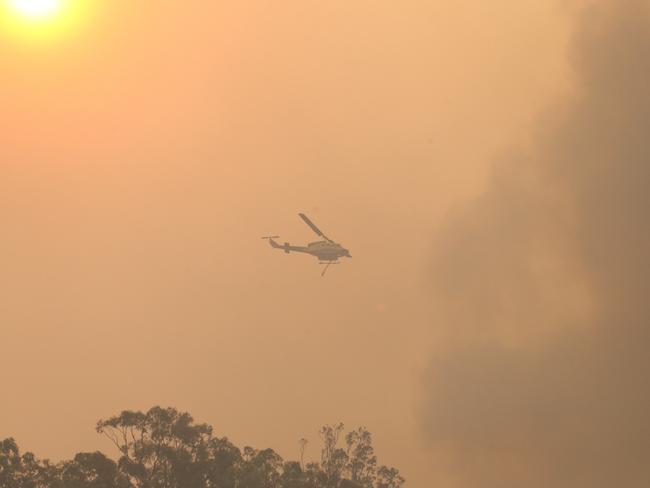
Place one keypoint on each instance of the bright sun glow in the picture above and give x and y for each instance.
(44, 22)
(36, 9)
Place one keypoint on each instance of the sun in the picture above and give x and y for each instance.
(45, 22)
(37, 10)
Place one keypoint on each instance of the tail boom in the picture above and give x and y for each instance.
(286, 247)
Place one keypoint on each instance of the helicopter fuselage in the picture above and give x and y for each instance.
(327, 251)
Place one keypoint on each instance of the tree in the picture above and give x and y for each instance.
(260, 469)
(362, 462)
(223, 464)
(388, 478)
(333, 458)
(164, 448)
(92, 470)
(10, 462)
(25, 471)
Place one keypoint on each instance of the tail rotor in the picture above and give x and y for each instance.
(272, 242)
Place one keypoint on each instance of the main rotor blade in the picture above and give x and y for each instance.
(313, 227)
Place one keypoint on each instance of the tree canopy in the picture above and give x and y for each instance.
(165, 448)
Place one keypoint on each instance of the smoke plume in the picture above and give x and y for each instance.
(544, 283)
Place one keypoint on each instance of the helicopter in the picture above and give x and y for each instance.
(327, 251)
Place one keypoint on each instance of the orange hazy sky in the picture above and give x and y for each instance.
(144, 151)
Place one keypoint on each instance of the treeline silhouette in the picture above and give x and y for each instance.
(164, 448)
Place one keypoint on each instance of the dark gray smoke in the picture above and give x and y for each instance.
(544, 282)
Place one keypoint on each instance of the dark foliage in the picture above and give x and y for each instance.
(164, 448)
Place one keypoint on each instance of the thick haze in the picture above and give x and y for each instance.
(544, 279)
(143, 154)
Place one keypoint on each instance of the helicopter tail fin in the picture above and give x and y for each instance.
(286, 247)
